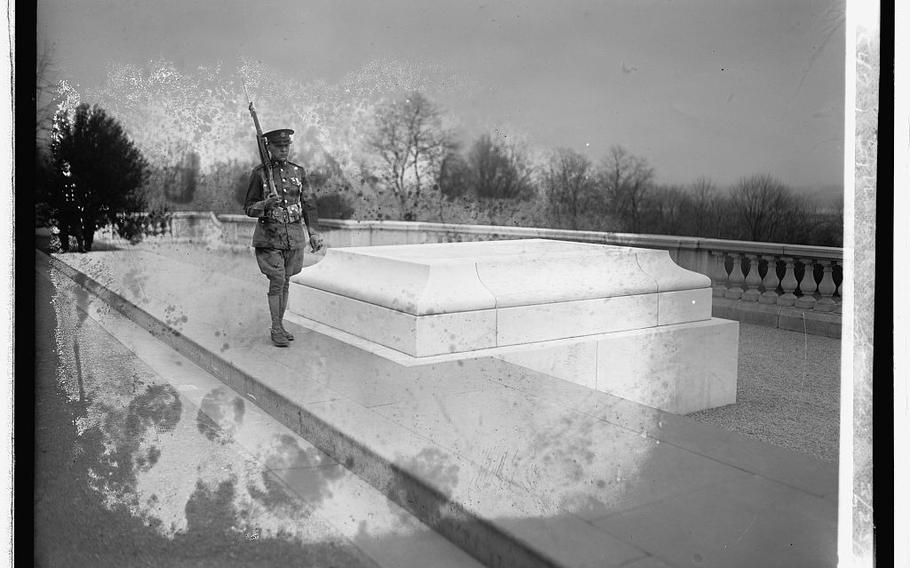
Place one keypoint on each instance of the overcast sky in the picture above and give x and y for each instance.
(721, 88)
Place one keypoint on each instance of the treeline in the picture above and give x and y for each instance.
(496, 181)
(392, 156)
(418, 171)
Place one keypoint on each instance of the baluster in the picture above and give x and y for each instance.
(807, 285)
(735, 291)
(769, 296)
(753, 280)
(719, 274)
(826, 288)
(841, 285)
(788, 284)
(839, 301)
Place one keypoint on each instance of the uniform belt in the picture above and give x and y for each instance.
(290, 214)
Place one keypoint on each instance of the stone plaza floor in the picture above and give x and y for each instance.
(788, 390)
(516, 467)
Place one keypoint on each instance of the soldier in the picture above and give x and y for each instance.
(281, 233)
(70, 219)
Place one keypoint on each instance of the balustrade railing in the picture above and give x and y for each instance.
(804, 277)
(807, 278)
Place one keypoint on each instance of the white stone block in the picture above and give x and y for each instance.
(575, 362)
(643, 324)
(552, 275)
(543, 322)
(684, 306)
(418, 336)
(369, 321)
(417, 288)
(455, 333)
(678, 368)
(449, 277)
(668, 275)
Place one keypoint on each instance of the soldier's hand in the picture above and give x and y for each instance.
(316, 242)
(271, 202)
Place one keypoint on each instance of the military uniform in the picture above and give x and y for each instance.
(281, 231)
(70, 219)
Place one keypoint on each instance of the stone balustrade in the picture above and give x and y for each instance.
(804, 277)
(801, 293)
(792, 287)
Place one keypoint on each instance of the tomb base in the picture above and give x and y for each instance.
(679, 368)
(621, 320)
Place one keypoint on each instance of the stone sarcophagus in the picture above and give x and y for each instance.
(617, 319)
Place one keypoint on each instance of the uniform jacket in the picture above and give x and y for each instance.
(283, 227)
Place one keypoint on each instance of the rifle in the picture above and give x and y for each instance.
(263, 152)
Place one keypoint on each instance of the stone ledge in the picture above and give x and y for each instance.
(827, 324)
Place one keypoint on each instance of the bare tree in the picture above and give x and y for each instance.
(411, 143)
(806, 222)
(664, 210)
(45, 91)
(569, 185)
(705, 210)
(626, 179)
(46, 100)
(760, 204)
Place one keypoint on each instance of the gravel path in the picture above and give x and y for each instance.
(788, 393)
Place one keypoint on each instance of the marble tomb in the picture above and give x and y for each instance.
(623, 320)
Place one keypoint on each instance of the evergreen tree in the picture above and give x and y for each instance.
(498, 170)
(98, 174)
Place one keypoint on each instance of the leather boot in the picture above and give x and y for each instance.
(283, 307)
(277, 335)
